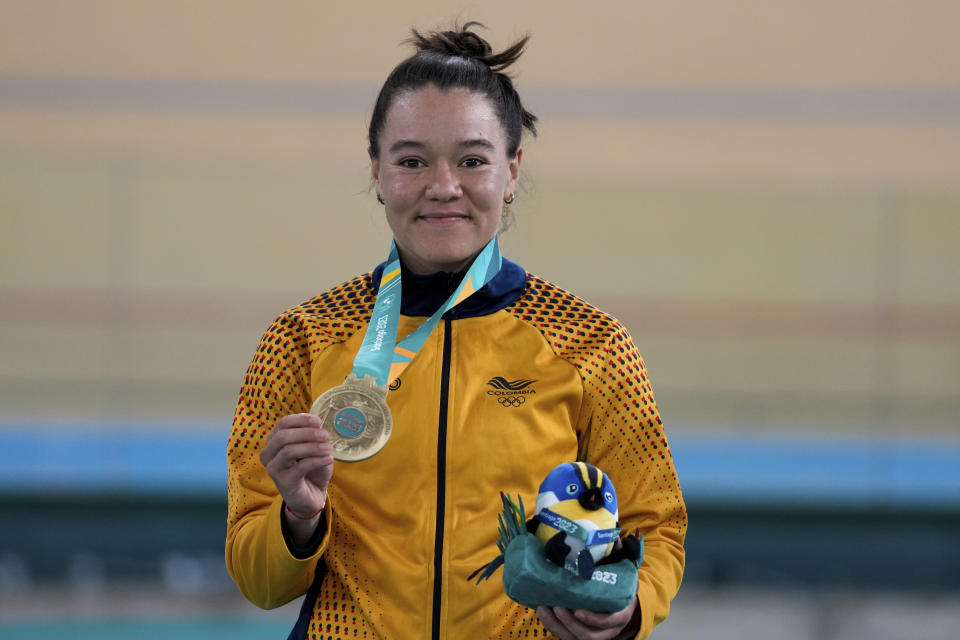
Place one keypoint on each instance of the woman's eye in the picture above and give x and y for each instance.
(411, 163)
(472, 162)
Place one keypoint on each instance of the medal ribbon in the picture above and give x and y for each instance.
(375, 357)
(590, 538)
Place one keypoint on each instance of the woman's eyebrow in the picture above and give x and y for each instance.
(476, 142)
(406, 144)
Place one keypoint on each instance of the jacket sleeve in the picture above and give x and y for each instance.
(624, 437)
(277, 383)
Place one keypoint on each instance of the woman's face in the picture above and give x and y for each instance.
(443, 173)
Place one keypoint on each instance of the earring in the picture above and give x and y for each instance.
(380, 199)
(506, 218)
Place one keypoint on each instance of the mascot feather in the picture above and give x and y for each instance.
(568, 553)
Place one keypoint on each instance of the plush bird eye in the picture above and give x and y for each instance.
(608, 496)
(572, 488)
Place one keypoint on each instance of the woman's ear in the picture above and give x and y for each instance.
(375, 173)
(514, 167)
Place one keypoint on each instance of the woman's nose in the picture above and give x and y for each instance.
(444, 183)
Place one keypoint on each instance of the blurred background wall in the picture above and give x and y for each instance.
(766, 193)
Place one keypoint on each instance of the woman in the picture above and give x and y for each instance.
(515, 379)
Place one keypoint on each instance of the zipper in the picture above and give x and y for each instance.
(441, 477)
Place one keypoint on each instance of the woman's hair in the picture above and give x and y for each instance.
(457, 59)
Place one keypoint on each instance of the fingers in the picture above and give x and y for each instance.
(298, 420)
(293, 429)
(289, 455)
(616, 620)
(551, 623)
(583, 624)
(306, 466)
(298, 457)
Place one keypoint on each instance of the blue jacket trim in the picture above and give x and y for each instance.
(300, 629)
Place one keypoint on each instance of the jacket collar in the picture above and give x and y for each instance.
(422, 295)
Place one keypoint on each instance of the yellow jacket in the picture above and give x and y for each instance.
(517, 379)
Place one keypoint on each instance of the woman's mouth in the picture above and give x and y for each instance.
(443, 217)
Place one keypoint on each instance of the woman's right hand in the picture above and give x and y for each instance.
(298, 457)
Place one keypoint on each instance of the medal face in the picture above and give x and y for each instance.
(357, 417)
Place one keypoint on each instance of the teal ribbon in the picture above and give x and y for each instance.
(380, 355)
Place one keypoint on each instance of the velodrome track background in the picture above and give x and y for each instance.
(765, 194)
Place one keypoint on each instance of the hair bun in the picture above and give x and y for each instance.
(457, 59)
(464, 43)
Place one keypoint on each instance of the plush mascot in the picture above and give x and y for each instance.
(568, 553)
(576, 517)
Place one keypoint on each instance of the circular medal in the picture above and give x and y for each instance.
(357, 417)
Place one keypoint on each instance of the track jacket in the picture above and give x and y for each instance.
(517, 379)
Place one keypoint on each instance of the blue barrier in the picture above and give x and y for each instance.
(48, 457)
(782, 469)
(826, 469)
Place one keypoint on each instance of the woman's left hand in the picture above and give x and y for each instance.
(585, 625)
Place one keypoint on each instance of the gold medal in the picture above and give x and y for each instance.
(357, 417)
(356, 413)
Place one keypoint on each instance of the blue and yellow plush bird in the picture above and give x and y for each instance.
(576, 517)
(551, 561)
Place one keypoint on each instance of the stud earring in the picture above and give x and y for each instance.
(508, 200)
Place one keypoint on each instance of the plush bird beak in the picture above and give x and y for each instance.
(591, 499)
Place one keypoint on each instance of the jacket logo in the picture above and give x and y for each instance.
(502, 383)
(510, 393)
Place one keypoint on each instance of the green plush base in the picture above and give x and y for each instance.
(530, 579)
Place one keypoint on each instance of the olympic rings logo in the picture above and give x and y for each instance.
(511, 401)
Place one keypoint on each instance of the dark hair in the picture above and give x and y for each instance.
(458, 59)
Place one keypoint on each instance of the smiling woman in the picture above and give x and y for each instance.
(444, 177)
(382, 545)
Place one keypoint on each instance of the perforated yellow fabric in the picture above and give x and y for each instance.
(546, 380)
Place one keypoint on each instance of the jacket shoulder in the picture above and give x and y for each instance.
(569, 323)
(349, 301)
(328, 318)
(591, 340)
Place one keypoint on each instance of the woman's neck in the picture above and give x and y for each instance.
(419, 267)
